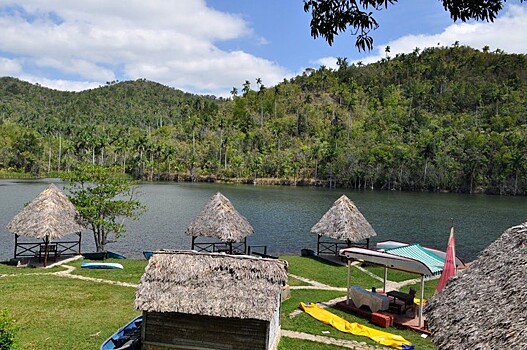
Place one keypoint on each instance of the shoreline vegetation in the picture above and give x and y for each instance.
(446, 118)
(93, 304)
(301, 182)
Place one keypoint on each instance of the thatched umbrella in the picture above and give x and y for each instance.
(484, 306)
(343, 221)
(219, 219)
(212, 284)
(51, 215)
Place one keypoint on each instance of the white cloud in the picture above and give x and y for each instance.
(328, 62)
(61, 84)
(80, 67)
(506, 33)
(9, 67)
(97, 40)
(75, 44)
(210, 71)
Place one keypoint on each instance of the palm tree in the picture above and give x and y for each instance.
(261, 89)
(246, 87)
(342, 62)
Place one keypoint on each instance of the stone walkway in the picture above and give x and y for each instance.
(314, 284)
(68, 273)
(350, 344)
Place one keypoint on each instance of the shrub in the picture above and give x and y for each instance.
(7, 331)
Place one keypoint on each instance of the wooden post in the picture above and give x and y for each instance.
(348, 283)
(385, 279)
(193, 240)
(421, 296)
(80, 239)
(318, 244)
(245, 245)
(230, 247)
(46, 243)
(16, 243)
(367, 243)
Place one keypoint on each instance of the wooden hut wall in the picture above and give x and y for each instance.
(274, 329)
(172, 330)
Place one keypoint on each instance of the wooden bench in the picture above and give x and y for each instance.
(52, 251)
(406, 298)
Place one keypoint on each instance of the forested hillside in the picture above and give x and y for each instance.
(440, 119)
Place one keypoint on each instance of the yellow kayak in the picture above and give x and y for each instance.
(383, 338)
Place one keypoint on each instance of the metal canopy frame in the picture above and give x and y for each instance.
(389, 261)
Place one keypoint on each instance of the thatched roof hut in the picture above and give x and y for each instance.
(49, 216)
(212, 284)
(484, 306)
(343, 221)
(219, 294)
(219, 219)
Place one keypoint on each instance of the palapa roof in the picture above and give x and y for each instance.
(50, 214)
(483, 307)
(343, 221)
(221, 220)
(212, 284)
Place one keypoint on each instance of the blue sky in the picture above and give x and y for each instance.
(208, 47)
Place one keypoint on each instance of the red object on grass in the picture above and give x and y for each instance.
(382, 320)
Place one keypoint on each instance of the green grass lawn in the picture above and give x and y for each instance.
(393, 275)
(429, 290)
(6, 269)
(307, 324)
(296, 282)
(327, 273)
(305, 295)
(132, 272)
(295, 344)
(62, 313)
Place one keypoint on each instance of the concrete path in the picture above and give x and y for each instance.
(350, 344)
(68, 273)
(314, 284)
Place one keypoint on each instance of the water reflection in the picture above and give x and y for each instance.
(282, 216)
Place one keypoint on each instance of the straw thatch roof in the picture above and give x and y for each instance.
(343, 221)
(50, 214)
(221, 220)
(212, 284)
(484, 306)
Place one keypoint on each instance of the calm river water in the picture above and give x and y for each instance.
(282, 216)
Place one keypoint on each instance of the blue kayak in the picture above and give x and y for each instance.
(103, 255)
(101, 265)
(127, 337)
(113, 255)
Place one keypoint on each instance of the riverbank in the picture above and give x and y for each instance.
(331, 183)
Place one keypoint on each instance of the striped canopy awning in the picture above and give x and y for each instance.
(414, 251)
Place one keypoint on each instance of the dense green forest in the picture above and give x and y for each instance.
(438, 119)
